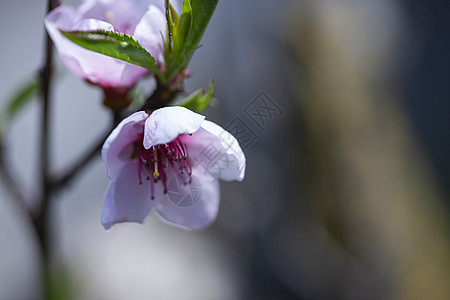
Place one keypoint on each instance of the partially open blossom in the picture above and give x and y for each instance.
(169, 161)
(144, 20)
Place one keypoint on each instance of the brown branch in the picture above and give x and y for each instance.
(41, 219)
(46, 76)
(59, 182)
(65, 179)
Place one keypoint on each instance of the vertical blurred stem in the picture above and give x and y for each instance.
(42, 217)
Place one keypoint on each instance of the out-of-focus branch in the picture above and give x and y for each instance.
(65, 179)
(41, 219)
(46, 76)
(58, 182)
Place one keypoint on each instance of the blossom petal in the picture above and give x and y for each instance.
(150, 32)
(166, 124)
(118, 147)
(92, 24)
(94, 67)
(126, 200)
(217, 151)
(120, 8)
(122, 14)
(191, 206)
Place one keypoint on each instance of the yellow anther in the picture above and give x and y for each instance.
(110, 16)
(155, 173)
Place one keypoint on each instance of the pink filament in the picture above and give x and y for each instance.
(172, 155)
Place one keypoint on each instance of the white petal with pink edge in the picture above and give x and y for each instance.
(217, 150)
(191, 206)
(117, 149)
(167, 123)
(126, 200)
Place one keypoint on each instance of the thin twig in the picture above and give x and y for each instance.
(65, 179)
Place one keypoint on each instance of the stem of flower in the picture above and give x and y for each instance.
(165, 93)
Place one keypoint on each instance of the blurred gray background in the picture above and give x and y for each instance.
(346, 191)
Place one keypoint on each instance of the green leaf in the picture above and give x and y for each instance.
(198, 101)
(182, 30)
(204, 102)
(170, 27)
(202, 11)
(191, 100)
(18, 101)
(117, 45)
(174, 15)
(22, 97)
(187, 35)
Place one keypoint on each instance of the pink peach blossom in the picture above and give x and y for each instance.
(162, 162)
(144, 20)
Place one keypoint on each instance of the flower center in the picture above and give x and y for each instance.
(155, 162)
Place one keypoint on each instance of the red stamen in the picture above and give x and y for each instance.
(155, 162)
